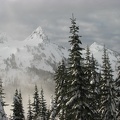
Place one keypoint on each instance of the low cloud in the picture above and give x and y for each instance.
(98, 20)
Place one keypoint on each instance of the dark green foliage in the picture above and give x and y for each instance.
(43, 108)
(29, 114)
(21, 110)
(107, 91)
(94, 74)
(15, 106)
(61, 90)
(78, 93)
(2, 112)
(118, 88)
(18, 112)
(87, 65)
(36, 104)
(2, 94)
(94, 79)
(47, 114)
(53, 107)
(91, 76)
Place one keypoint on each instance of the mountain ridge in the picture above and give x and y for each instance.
(36, 55)
(30, 58)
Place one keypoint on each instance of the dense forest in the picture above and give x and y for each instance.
(82, 91)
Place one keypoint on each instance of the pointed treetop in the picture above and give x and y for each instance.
(16, 92)
(73, 17)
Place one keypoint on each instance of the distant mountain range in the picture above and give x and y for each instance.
(36, 58)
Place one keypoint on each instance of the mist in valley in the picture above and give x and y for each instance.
(27, 91)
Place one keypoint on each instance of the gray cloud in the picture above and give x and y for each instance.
(98, 20)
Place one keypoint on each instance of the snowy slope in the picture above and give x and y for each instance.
(26, 59)
(97, 50)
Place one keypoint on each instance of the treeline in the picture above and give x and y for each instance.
(82, 92)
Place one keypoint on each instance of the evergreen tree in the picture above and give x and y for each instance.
(87, 64)
(47, 114)
(78, 93)
(118, 89)
(21, 110)
(107, 91)
(94, 85)
(94, 79)
(29, 114)
(61, 90)
(36, 104)
(98, 99)
(43, 108)
(53, 106)
(91, 75)
(16, 104)
(2, 112)
(2, 93)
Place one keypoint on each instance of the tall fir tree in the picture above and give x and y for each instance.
(90, 71)
(43, 106)
(16, 104)
(53, 107)
(29, 114)
(61, 90)
(36, 104)
(108, 94)
(93, 78)
(78, 93)
(2, 94)
(118, 88)
(2, 112)
(21, 110)
(87, 64)
(98, 96)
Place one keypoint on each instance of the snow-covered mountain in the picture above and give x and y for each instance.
(97, 50)
(36, 57)
(30, 59)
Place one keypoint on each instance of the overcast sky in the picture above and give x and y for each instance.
(98, 20)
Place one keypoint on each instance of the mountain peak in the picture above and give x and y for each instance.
(37, 36)
(38, 31)
(96, 46)
(95, 43)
